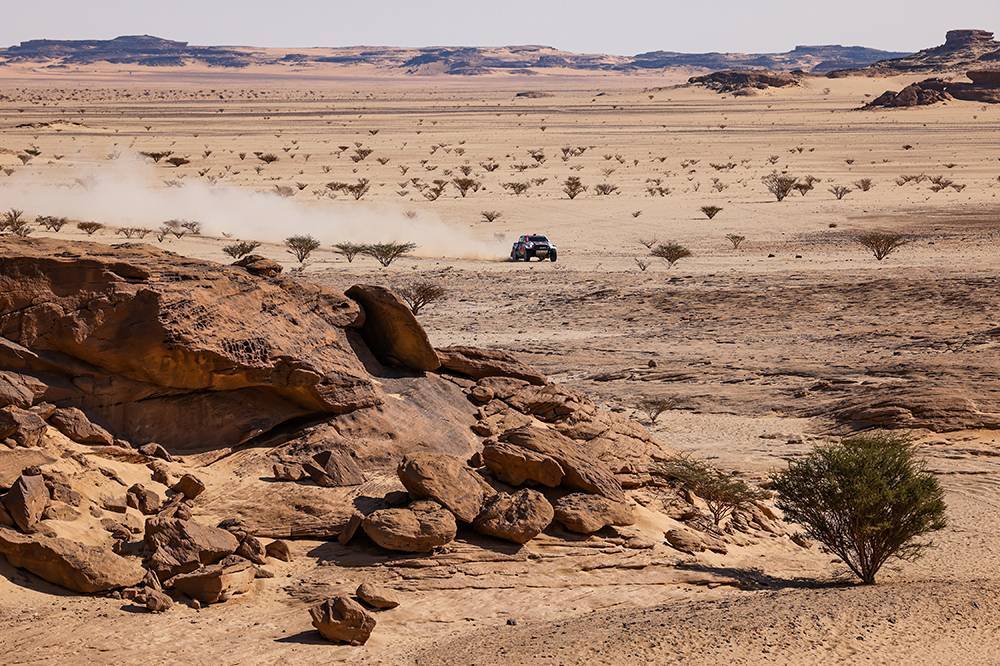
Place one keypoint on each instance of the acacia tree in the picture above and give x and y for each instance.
(573, 187)
(301, 247)
(711, 211)
(723, 493)
(779, 185)
(420, 294)
(386, 253)
(240, 249)
(867, 499)
(348, 250)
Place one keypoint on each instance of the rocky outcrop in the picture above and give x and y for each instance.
(19, 390)
(21, 427)
(177, 546)
(216, 583)
(391, 330)
(742, 81)
(516, 465)
(377, 597)
(334, 468)
(74, 566)
(419, 528)
(985, 87)
(26, 501)
(519, 517)
(73, 423)
(342, 620)
(478, 363)
(962, 50)
(146, 342)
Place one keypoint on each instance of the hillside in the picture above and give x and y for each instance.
(962, 49)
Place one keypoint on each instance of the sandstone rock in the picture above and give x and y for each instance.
(60, 489)
(179, 546)
(142, 499)
(216, 583)
(279, 550)
(519, 517)
(740, 80)
(154, 450)
(114, 504)
(73, 423)
(189, 486)
(26, 501)
(286, 472)
(690, 542)
(377, 596)
(986, 78)
(516, 466)
(74, 566)
(335, 468)
(581, 470)
(5, 519)
(22, 426)
(419, 528)
(342, 620)
(156, 601)
(481, 394)
(586, 514)
(479, 363)
(391, 331)
(259, 266)
(159, 472)
(147, 342)
(19, 390)
(13, 462)
(252, 549)
(60, 511)
(446, 480)
(351, 528)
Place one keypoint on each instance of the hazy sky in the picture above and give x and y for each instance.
(612, 26)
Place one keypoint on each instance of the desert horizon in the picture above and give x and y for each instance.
(499, 355)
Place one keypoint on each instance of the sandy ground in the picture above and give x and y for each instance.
(756, 344)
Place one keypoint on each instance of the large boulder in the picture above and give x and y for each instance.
(479, 363)
(342, 620)
(519, 517)
(516, 466)
(24, 427)
(19, 390)
(73, 423)
(444, 479)
(334, 468)
(218, 582)
(74, 566)
(586, 514)
(177, 546)
(376, 596)
(147, 342)
(419, 528)
(391, 330)
(26, 501)
(986, 78)
(581, 470)
(259, 266)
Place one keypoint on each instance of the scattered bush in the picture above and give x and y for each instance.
(573, 188)
(301, 246)
(348, 250)
(840, 191)
(517, 188)
(89, 228)
(386, 253)
(420, 294)
(867, 499)
(178, 161)
(604, 189)
(491, 215)
(240, 249)
(736, 240)
(779, 185)
(865, 184)
(711, 211)
(465, 185)
(132, 232)
(51, 222)
(654, 407)
(670, 252)
(882, 243)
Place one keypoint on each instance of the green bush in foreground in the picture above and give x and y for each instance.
(867, 499)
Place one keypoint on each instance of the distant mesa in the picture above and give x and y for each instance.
(149, 51)
(962, 50)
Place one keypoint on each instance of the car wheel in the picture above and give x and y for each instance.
(552, 255)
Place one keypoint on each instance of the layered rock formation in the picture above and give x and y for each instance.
(985, 87)
(962, 50)
(744, 81)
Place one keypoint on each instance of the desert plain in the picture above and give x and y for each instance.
(796, 337)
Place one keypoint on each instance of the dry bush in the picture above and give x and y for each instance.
(867, 500)
(178, 161)
(13, 222)
(51, 222)
(356, 190)
(491, 215)
(466, 185)
(301, 247)
(711, 211)
(723, 493)
(865, 184)
(89, 228)
(267, 158)
(348, 250)
(670, 252)
(779, 185)
(573, 188)
(386, 253)
(736, 240)
(517, 188)
(420, 294)
(240, 249)
(648, 243)
(652, 408)
(641, 263)
(605, 189)
(883, 243)
(840, 191)
(156, 156)
(132, 232)
(434, 191)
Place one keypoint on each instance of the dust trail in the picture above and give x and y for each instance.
(129, 192)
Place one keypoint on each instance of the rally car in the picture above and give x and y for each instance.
(533, 245)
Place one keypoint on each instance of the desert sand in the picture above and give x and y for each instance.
(767, 349)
